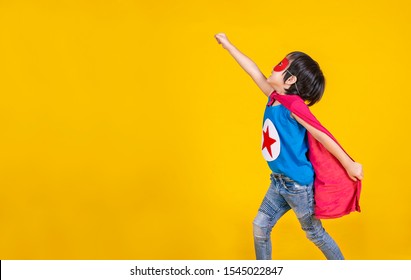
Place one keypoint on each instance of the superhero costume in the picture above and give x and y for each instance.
(335, 193)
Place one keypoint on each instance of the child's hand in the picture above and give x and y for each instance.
(355, 171)
(223, 40)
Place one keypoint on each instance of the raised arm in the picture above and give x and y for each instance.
(354, 169)
(246, 63)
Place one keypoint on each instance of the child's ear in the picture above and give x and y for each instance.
(291, 80)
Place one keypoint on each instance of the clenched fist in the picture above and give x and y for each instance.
(223, 40)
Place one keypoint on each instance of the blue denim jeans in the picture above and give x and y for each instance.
(285, 194)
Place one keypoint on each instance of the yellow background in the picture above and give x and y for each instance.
(127, 132)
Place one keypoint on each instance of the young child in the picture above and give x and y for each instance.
(285, 145)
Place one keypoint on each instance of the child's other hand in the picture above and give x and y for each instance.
(222, 39)
(355, 171)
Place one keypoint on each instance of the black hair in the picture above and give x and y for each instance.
(310, 79)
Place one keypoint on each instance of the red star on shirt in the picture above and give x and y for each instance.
(268, 141)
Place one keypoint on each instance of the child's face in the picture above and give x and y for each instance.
(276, 80)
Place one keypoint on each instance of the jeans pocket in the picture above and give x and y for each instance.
(293, 187)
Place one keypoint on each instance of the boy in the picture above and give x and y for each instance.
(296, 79)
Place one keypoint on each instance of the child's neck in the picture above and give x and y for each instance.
(280, 90)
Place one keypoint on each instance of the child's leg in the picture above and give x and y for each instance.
(316, 233)
(301, 200)
(271, 210)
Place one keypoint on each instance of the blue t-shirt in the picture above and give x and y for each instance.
(284, 145)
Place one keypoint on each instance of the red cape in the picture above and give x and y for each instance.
(335, 194)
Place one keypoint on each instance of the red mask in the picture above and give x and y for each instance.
(282, 65)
